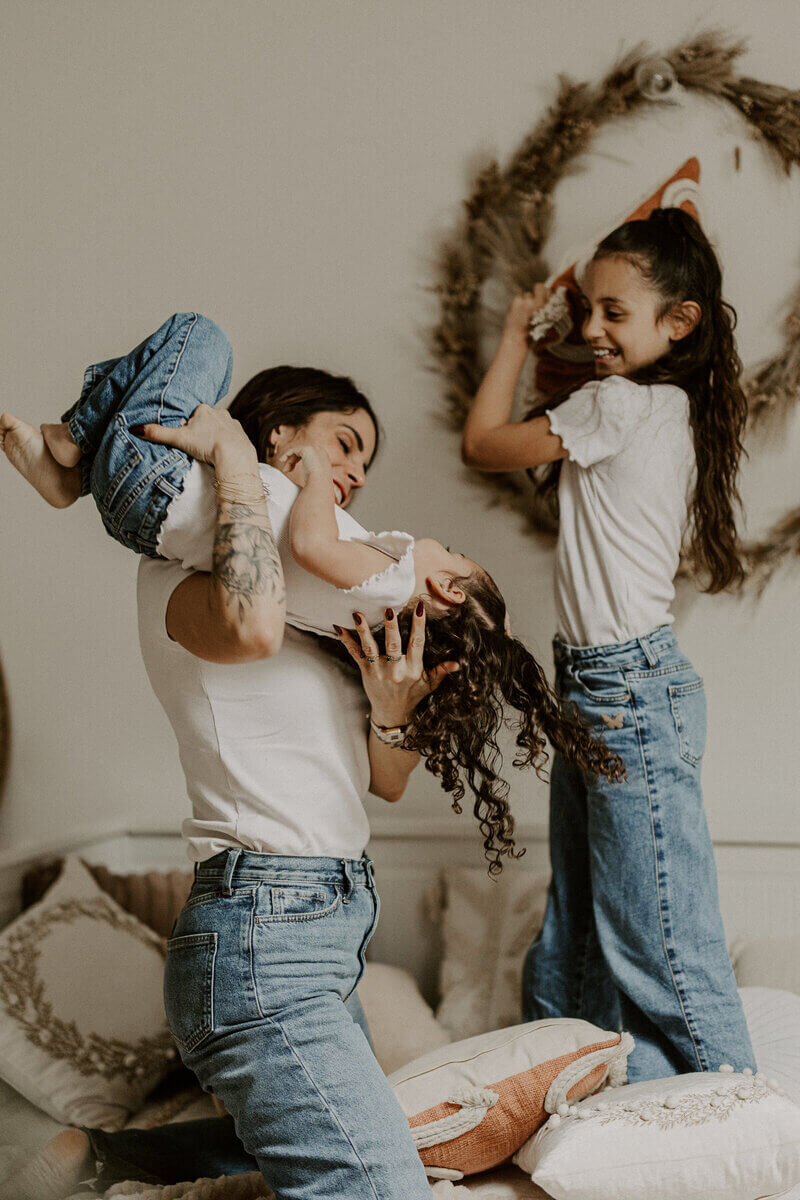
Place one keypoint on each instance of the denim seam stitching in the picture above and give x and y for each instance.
(661, 900)
(636, 673)
(178, 358)
(251, 944)
(327, 1105)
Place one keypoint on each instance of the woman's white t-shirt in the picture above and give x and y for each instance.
(623, 496)
(274, 752)
(187, 536)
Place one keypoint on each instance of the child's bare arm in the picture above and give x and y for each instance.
(491, 441)
(314, 534)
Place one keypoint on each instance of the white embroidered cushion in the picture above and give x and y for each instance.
(471, 1104)
(82, 1028)
(691, 1137)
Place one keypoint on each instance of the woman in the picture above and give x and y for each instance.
(264, 960)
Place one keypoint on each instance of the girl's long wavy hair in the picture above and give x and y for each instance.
(456, 727)
(676, 259)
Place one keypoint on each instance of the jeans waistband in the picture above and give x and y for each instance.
(241, 866)
(646, 650)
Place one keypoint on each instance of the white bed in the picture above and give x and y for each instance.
(760, 889)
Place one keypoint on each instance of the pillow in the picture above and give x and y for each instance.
(769, 963)
(705, 1136)
(155, 897)
(487, 926)
(401, 1023)
(564, 361)
(773, 1019)
(82, 1028)
(470, 1105)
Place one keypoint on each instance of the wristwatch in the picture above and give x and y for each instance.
(393, 735)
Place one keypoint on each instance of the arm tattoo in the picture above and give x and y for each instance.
(246, 561)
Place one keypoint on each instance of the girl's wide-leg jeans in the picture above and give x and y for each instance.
(633, 937)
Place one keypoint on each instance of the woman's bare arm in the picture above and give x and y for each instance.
(394, 683)
(235, 613)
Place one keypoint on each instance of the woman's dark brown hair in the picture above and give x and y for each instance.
(676, 259)
(455, 728)
(291, 396)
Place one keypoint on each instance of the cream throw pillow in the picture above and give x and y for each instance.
(401, 1023)
(82, 1028)
(487, 927)
(769, 963)
(691, 1137)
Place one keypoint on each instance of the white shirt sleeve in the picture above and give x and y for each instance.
(187, 536)
(600, 418)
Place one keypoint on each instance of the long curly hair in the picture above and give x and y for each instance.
(677, 260)
(456, 727)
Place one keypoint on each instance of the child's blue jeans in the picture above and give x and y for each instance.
(261, 965)
(188, 361)
(633, 936)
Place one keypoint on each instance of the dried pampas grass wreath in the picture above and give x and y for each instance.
(502, 237)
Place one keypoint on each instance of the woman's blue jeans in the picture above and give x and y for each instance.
(262, 961)
(186, 362)
(633, 937)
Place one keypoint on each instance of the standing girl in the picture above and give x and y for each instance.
(633, 934)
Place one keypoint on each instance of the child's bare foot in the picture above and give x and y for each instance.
(59, 442)
(25, 449)
(53, 1173)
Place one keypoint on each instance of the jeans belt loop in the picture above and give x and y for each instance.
(348, 881)
(230, 867)
(648, 651)
(370, 870)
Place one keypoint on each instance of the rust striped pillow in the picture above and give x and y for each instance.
(472, 1104)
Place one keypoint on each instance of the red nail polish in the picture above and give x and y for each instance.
(389, 614)
(420, 608)
(357, 618)
(337, 630)
(137, 430)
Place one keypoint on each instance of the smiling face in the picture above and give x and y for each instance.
(348, 438)
(622, 323)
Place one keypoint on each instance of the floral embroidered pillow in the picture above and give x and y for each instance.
(564, 361)
(691, 1137)
(471, 1104)
(82, 1028)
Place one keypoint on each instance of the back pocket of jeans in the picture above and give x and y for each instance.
(688, 704)
(189, 987)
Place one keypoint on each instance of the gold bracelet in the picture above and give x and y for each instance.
(230, 492)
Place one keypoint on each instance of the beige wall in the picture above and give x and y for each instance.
(287, 168)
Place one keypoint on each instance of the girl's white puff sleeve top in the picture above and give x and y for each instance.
(623, 496)
(187, 536)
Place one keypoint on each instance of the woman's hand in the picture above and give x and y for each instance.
(521, 310)
(396, 681)
(210, 435)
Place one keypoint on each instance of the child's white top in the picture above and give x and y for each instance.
(187, 537)
(623, 495)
